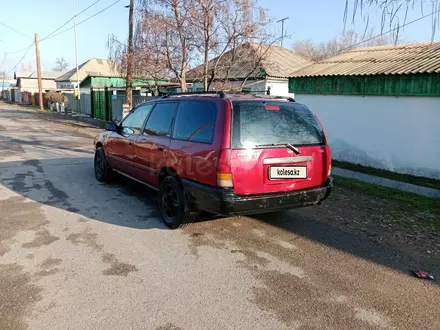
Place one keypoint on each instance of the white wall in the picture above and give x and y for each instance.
(401, 134)
(279, 88)
(254, 85)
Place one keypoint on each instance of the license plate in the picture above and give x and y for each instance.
(288, 172)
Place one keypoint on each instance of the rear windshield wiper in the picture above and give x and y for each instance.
(290, 146)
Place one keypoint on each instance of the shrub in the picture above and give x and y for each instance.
(56, 97)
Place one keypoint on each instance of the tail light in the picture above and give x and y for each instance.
(328, 162)
(224, 171)
(327, 151)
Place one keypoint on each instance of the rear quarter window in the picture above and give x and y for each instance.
(195, 121)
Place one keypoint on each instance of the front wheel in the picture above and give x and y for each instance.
(172, 204)
(102, 169)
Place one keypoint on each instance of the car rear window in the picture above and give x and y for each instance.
(260, 123)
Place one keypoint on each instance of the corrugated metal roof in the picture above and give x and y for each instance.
(92, 67)
(33, 74)
(277, 62)
(400, 59)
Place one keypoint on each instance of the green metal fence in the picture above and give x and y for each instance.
(379, 85)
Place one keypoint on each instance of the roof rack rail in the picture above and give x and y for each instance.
(275, 97)
(219, 93)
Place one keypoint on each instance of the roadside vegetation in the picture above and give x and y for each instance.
(408, 209)
(408, 178)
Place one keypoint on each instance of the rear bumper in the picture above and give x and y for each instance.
(227, 202)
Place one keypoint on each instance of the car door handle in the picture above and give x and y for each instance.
(159, 149)
(130, 143)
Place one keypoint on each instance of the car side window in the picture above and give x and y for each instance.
(159, 123)
(134, 122)
(195, 121)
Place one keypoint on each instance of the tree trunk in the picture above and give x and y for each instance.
(206, 50)
(128, 87)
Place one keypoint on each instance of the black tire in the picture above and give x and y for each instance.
(172, 204)
(102, 170)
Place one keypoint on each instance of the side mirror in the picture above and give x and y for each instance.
(111, 126)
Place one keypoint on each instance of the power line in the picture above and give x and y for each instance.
(12, 29)
(3, 62)
(21, 59)
(22, 49)
(70, 28)
(16, 51)
(380, 35)
(52, 35)
(70, 20)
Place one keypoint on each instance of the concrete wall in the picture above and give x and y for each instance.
(254, 85)
(279, 87)
(31, 84)
(401, 134)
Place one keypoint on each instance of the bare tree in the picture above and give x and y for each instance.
(235, 33)
(61, 64)
(26, 67)
(173, 35)
(4, 75)
(150, 57)
(347, 40)
(394, 13)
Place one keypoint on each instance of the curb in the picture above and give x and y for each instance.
(408, 187)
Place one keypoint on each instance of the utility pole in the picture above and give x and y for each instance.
(76, 55)
(40, 86)
(282, 28)
(128, 88)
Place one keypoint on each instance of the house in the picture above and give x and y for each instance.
(103, 97)
(27, 84)
(256, 68)
(380, 105)
(93, 67)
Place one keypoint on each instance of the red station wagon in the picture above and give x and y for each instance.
(224, 154)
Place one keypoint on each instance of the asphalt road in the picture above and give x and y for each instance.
(78, 254)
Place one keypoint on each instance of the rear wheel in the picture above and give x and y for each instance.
(172, 204)
(102, 170)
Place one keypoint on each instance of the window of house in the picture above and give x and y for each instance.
(195, 121)
(134, 122)
(159, 123)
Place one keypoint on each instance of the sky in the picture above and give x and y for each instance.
(318, 20)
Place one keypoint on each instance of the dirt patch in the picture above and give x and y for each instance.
(83, 220)
(8, 149)
(47, 267)
(381, 219)
(44, 272)
(18, 297)
(116, 267)
(17, 215)
(18, 183)
(87, 238)
(306, 305)
(168, 326)
(35, 163)
(58, 197)
(42, 238)
(50, 262)
(199, 239)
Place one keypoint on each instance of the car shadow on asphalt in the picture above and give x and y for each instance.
(70, 184)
